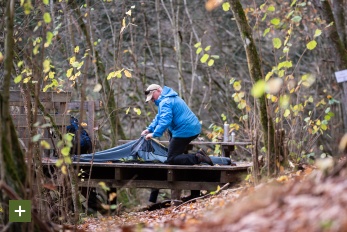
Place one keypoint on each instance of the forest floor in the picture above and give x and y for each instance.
(305, 200)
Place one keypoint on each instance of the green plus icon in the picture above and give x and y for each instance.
(20, 210)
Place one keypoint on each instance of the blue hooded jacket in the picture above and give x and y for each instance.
(175, 115)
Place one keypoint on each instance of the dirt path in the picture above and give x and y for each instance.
(301, 201)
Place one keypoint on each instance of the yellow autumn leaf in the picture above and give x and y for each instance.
(282, 179)
(77, 49)
(45, 144)
(69, 72)
(127, 73)
(237, 85)
(103, 186)
(64, 170)
(46, 66)
(26, 80)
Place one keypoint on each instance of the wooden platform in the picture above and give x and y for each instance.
(161, 176)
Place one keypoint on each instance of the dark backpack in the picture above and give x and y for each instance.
(84, 139)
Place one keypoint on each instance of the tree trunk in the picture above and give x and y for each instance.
(337, 44)
(254, 67)
(12, 164)
(111, 106)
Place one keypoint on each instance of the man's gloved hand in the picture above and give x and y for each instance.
(149, 136)
(145, 132)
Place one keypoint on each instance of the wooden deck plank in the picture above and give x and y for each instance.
(163, 176)
(19, 120)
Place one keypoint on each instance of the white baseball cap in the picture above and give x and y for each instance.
(149, 91)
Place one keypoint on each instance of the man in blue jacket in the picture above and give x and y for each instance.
(175, 116)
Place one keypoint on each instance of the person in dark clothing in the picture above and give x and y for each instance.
(175, 116)
(86, 146)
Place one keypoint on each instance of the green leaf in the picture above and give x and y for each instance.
(268, 75)
(197, 45)
(286, 113)
(59, 162)
(327, 117)
(293, 2)
(49, 37)
(237, 85)
(210, 62)
(137, 111)
(324, 127)
(36, 49)
(65, 151)
(204, 58)
(285, 64)
(47, 17)
(67, 159)
(18, 79)
(46, 88)
(242, 104)
(199, 50)
(68, 137)
(296, 19)
(104, 186)
(216, 57)
(207, 48)
(226, 6)
(266, 31)
(46, 2)
(46, 66)
(46, 125)
(258, 89)
(317, 33)
(277, 43)
(289, 14)
(264, 17)
(36, 138)
(311, 45)
(284, 101)
(275, 21)
(271, 8)
(27, 7)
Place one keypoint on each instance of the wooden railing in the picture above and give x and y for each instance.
(58, 106)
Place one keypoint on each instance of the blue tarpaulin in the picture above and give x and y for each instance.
(140, 150)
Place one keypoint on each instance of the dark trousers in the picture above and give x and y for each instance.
(176, 156)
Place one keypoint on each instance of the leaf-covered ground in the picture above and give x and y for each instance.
(306, 200)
